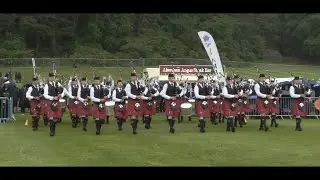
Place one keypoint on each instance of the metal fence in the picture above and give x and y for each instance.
(285, 107)
(6, 109)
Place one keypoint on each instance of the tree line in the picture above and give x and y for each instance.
(239, 37)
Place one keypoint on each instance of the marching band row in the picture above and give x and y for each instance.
(135, 100)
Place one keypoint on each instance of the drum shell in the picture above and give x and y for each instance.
(109, 110)
(187, 111)
(63, 103)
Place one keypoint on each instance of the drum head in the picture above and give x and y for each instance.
(62, 100)
(191, 100)
(186, 105)
(110, 103)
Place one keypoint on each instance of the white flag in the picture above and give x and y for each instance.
(212, 51)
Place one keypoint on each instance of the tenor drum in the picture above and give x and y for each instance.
(63, 103)
(109, 107)
(186, 109)
(317, 104)
(192, 101)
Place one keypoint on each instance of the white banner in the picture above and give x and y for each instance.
(212, 51)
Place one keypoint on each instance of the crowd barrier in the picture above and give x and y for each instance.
(6, 109)
(285, 107)
(284, 104)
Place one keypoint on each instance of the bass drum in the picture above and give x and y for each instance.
(109, 105)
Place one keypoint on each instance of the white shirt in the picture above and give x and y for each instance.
(257, 90)
(164, 91)
(226, 94)
(94, 99)
(128, 90)
(46, 92)
(293, 95)
(79, 93)
(146, 91)
(114, 95)
(67, 93)
(196, 92)
(28, 94)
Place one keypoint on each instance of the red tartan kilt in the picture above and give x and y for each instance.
(147, 111)
(226, 108)
(74, 108)
(295, 110)
(51, 113)
(132, 111)
(33, 107)
(96, 113)
(215, 107)
(261, 108)
(122, 114)
(43, 110)
(202, 112)
(274, 108)
(83, 111)
(245, 107)
(172, 112)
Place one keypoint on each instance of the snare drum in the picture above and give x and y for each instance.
(186, 109)
(63, 103)
(109, 105)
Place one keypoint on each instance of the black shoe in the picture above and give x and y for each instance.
(52, 134)
(97, 132)
(189, 118)
(134, 132)
(241, 125)
(276, 125)
(74, 126)
(172, 130)
(220, 121)
(84, 129)
(298, 129)
(271, 125)
(120, 129)
(202, 130)
(233, 129)
(261, 128)
(35, 129)
(228, 129)
(198, 124)
(147, 126)
(266, 129)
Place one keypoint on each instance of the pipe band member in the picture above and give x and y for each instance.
(73, 87)
(53, 91)
(202, 102)
(172, 106)
(98, 106)
(83, 95)
(133, 91)
(149, 104)
(262, 101)
(119, 96)
(229, 105)
(34, 96)
(298, 108)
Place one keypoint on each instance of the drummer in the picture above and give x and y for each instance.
(215, 103)
(202, 103)
(189, 95)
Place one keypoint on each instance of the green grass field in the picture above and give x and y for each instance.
(156, 147)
